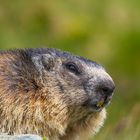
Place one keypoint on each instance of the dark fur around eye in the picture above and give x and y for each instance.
(72, 67)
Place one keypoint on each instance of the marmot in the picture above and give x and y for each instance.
(52, 93)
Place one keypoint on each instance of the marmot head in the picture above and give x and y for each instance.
(79, 83)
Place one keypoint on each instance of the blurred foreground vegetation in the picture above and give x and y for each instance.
(105, 31)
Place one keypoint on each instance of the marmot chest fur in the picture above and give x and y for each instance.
(52, 93)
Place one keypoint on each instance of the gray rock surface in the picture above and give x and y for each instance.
(20, 137)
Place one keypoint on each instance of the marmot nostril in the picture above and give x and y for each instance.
(107, 88)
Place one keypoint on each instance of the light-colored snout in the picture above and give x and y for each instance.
(99, 88)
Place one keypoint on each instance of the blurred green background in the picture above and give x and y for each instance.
(105, 31)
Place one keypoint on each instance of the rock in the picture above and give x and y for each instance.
(20, 137)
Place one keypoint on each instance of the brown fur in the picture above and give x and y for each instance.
(30, 105)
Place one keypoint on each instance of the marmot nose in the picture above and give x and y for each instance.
(106, 87)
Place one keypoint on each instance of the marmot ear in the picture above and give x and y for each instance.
(43, 62)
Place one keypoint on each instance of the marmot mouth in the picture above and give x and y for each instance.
(98, 104)
(96, 107)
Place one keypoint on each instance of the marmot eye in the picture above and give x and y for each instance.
(72, 67)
